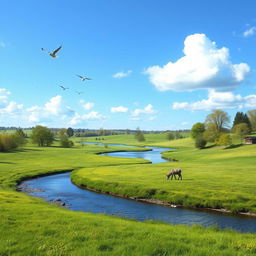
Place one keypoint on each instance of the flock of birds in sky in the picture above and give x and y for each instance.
(53, 55)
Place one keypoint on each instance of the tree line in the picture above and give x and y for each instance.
(216, 128)
(41, 135)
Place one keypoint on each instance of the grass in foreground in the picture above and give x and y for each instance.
(30, 226)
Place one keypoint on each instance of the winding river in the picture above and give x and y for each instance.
(59, 186)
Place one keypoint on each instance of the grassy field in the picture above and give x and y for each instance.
(30, 226)
(214, 177)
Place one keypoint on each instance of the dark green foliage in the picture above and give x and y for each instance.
(170, 136)
(64, 141)
(200, 142)
(139, 136)
(42, 136)
(70, 132)
(197, 129)
(20, 137)
(242, 118)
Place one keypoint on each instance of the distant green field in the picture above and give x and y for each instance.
(30, 226)
(213, 177)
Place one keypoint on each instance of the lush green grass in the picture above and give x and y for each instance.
(213, 177)
(30, 226)
(150, 139)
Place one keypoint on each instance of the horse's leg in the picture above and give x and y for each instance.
(171, 176)
(180, 176)
(175, 176)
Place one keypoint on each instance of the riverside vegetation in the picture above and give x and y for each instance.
(30, 226)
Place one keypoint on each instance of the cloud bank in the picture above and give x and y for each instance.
(219, 100)
(203, 66)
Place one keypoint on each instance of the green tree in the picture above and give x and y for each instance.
(20, 136)
(211, 133)
(197, 129)
(241, 117)
(219, 118)
(70, 132)
(42, 136)
(224, 139)
(139, 136)
(64, 141)
(252, 117)
(170, 136)
(240, 130)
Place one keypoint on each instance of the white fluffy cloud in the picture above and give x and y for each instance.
(249, 32)
(203, 66)
(119, 109)
(93, 115)
(2, 44)
(4, 94)
(87, 105)
(10, 108)
(54, 105)
(149, 109)
(52, 109)
(219, 100)
(122, 74)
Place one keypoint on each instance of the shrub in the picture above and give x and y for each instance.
(7, 142)
(200, 142)
(224, 139)
(64, 141)
(170, 136)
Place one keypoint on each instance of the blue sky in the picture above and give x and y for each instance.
(156, 65)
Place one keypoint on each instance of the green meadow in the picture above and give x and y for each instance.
(214, 177)
(31, 226)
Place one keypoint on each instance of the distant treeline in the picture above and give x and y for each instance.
(81, 132)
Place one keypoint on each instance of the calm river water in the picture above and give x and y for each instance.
(59, 186)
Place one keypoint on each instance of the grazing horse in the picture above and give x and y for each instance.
(174, 172)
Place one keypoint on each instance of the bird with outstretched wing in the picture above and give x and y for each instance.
(83, 78)
(63, 88)
(52, 54)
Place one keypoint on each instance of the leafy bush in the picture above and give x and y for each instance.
(224, 139)
(7, 142)
(170, 136)
(200, 142)
(64, 141)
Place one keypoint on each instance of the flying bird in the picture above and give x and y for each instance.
(79, 92)
(63, 88)
(83, 78)
(52, 54)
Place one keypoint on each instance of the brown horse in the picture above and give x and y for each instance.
(173, 173)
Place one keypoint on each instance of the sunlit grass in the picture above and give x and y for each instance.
(30, 226)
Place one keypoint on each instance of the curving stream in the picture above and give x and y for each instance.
(59, 186)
